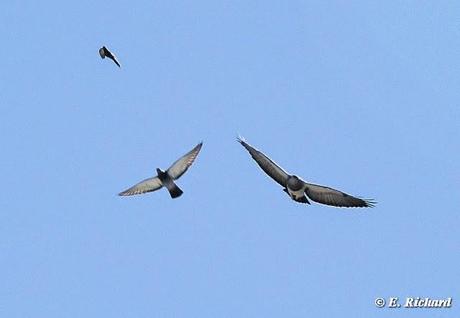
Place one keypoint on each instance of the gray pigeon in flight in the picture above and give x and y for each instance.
(166, 178)
(300, 190)
(104, 52)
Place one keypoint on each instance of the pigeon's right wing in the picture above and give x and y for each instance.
(147, 185)
(267, 165)
(179, 167)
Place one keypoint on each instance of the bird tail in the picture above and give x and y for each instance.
(175, 191)
(302, 199)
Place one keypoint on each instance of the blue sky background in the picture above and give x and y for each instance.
(360, 96)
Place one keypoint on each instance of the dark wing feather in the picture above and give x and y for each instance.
(115, 60)
(329, 196)
(147, 185)
(267, 165)
(179, 167)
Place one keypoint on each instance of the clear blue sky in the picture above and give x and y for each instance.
(360, 96)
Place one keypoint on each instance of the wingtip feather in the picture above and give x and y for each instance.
(370, 203)
(198, 147)
(124, 193)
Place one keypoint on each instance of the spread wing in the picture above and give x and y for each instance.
(329, 196)
(147, 185)
(179, 167)
(267, 165)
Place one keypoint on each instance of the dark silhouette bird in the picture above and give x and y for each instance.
(300, 190)
(166, 178)
(104, 52)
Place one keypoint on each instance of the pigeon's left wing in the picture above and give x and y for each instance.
(179, 167)
(267, 165)
(329, 196)
(147, 185)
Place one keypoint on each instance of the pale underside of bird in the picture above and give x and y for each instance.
(300, 190)
(104, 52)
(166, 178)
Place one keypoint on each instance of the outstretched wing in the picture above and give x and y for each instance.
(147, 185)
(267, 165)
(329, 196)
(179, 167)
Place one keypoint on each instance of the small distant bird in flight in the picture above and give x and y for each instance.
(104, 52)
(166, 178)
(298, 189)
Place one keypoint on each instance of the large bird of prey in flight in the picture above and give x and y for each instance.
(104, 52)
(166, 178)
(300, 190)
